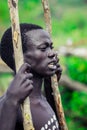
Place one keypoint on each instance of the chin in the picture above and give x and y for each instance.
(43, 74)
(49, 74)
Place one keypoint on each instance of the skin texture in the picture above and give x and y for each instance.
(28, 80)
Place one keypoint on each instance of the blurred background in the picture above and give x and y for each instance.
(69, 34)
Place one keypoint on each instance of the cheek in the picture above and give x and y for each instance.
(36, 59)
(39, 57)
(40, 62)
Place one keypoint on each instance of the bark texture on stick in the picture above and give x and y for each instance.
(47, 15)
(57, 97)
(13, 7)
(58, 103)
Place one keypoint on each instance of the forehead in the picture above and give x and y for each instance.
(38, 36)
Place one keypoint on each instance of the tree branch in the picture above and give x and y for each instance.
(69, 51)
(72, 84)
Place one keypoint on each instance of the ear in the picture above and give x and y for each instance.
(49, 93)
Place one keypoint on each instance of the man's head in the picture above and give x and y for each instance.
(37, 49)
(6, 47)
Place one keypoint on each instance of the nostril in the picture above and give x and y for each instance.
(51, 54)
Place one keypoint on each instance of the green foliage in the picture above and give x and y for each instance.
(73, 22)
(67, 21)
(75, 102)
(72, 2)
(4, 12)
(70, 22)
(77, 68)
(5, 79)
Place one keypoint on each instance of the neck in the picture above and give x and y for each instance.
(37, 84)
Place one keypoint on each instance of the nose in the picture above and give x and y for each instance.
(51, 54)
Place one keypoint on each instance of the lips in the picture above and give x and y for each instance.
(52, 65)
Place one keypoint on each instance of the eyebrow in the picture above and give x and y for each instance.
(46, 43)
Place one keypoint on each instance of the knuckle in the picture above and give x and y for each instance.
(24, 76)
(31, 81)
(26, 64)
(31, 87)
(30, 75)
(27, 81)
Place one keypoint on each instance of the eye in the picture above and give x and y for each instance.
(52, 47)
(43, 48)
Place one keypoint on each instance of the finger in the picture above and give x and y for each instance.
(59, 70)
(28, 76)
(27, 82)
(24, 68)
(58, 65)
(27, 90)
(29, 87)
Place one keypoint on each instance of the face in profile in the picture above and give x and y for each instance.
(40, 54)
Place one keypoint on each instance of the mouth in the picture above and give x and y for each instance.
(52, 66)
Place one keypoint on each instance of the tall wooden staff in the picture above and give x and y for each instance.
(56, 93)
(17, 45)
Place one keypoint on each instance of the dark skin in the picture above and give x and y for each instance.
(28, 80)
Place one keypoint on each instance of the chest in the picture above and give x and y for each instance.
(42, 114)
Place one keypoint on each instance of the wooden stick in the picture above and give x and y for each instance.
(57, 97)
(47, 15)
(17, 45)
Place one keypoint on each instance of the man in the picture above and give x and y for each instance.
(40, 61)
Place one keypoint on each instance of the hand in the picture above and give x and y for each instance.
(21, 86)
(58, 72)
(59, 69)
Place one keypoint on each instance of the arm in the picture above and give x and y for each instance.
(8, 113)
(19, 89)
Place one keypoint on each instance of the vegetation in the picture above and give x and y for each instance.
(77, 68)
(76, 108)
(69, 22)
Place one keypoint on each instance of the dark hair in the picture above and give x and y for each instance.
(6, 46)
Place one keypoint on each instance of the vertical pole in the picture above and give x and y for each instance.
(17, 45)
(56, 93)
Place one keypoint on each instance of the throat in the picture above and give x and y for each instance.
(37, 85)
